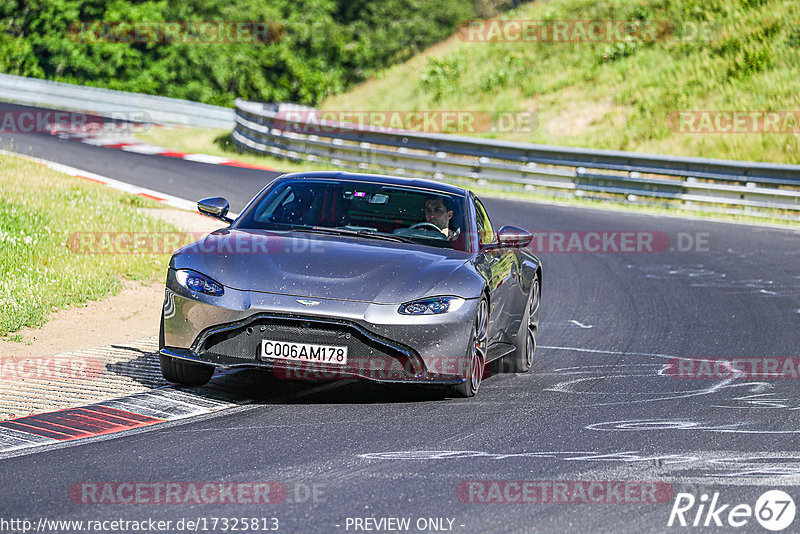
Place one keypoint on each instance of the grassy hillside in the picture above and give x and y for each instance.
(617, 95)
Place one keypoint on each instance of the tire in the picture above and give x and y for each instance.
(185, 373)
(476, 353)
(521, 360)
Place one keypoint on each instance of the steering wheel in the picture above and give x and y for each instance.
(426, 226)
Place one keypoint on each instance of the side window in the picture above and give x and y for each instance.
(485, 230)
(266, 209)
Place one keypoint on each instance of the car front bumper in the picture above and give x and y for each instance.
(383, 345)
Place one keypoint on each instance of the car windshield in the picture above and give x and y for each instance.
(362, 209)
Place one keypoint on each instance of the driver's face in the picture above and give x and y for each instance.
(436, 213)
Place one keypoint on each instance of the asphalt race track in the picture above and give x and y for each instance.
(600, 405)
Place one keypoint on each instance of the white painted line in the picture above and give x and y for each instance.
(617, 352)
(163, 404)
(169, 200)
(144, 149)
(11, 440)
(102, 141)
(206, 158)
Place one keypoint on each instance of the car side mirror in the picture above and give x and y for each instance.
(513, 237)
(215, 207)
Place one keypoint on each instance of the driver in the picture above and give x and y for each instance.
(439, 214)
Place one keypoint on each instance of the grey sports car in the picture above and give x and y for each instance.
(340, 275)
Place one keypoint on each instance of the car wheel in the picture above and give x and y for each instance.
(521, 360)
(476, 353)
(185, 373)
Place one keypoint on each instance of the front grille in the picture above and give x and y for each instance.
(367, 353)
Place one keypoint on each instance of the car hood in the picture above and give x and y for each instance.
(331, 267)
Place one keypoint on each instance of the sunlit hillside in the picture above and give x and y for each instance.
(708, 55)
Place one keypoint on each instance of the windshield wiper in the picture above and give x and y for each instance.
(354, 233)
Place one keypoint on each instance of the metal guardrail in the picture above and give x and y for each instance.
(716, 185)
(109, 103)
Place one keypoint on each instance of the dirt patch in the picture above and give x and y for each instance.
(131, 314)
(579, 118)
(186, 221)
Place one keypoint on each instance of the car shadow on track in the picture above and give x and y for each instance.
(144, 368)
(262, 386)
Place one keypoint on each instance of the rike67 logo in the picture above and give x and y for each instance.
(774, 510)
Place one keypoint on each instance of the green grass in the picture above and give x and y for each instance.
(616, 96)
(39, 210)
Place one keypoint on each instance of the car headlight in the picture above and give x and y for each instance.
(431, 306)
(199, 283)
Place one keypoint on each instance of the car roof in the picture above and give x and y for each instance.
(379, 178)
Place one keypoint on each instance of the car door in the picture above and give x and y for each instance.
(498, 266)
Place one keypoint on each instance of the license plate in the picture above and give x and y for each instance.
(303, 352)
